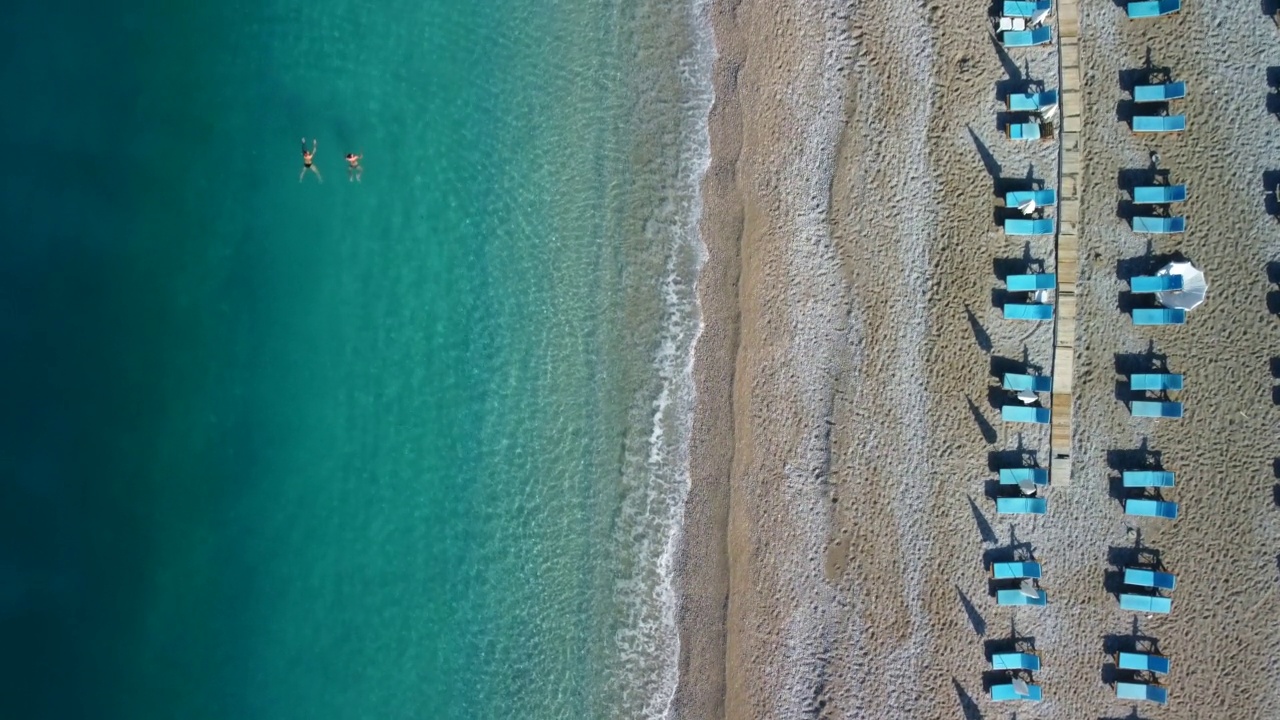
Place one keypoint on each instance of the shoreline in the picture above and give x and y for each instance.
(701, 568)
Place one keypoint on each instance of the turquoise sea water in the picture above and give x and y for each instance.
(408, 448)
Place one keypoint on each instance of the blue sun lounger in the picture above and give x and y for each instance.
(1031, 102)
(1156, 382)
(1027, 38)
(1013, 476)
(1145, 603)
(1023, 130)
(1155, 409)
(1043, 198)
(1155, 283)
(1021, 506)
(1158, 316)
(1023, 9)
(1015, 570)
(1019, 311)
(1153, 8)
(1027, 383)
(1142, 691)
(1025, 414)
(1158, 225)
(1142, 507)
(1143, 662)
(1023, 226)
(1015, 597)
(1159, 194)
(1159, 123)
(1031, 283)
(1159, 93)
(1000, 693)
(1146, 478)
(1015, 661)
(1149, 578)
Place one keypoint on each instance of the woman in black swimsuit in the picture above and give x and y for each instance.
(307, 158)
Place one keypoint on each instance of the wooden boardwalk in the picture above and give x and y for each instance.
(1064, 341)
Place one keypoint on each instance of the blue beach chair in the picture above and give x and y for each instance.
(1159, 93)
(1031, 283)
(1149, 578)
(1154, 409)
(1001, 693)
(1015, 661)
(1015, 476)
(1153, 8)
(1142, 691)
(1159, 194)
(1031, 102)
(1158, 225)
(1154, 382)
(1141, 507)
(1145, 603)
(1023, 226)
(1146, 478)
(1043, 198)
(1025, 414)
(1023, 130)
(1159, 123)
(1024, 9)
(1019, 311)
(1159, 316)
(1021, 506)
(1146, 284)
(1143, 662)
(1027, 383)
(1016, 597)
(1015, 570)
(1027, 38)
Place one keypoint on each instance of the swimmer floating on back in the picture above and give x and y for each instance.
(354, 170)
(307, 158)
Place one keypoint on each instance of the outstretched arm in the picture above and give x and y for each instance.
(314, 142)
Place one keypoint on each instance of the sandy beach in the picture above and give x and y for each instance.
(847, 424)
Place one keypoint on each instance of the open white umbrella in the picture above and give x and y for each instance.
(1020, 687)
(1028, 588)
(1048, 111)
(1028, 207)
(1194, 286)
(1039, 17)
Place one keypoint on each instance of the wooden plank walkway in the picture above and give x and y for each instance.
(1067, 255)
